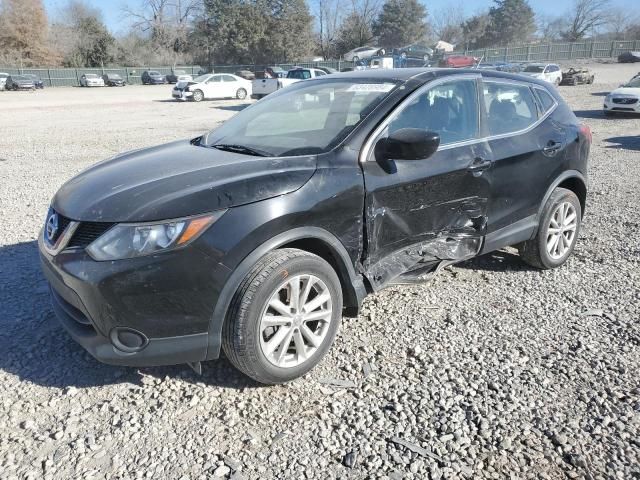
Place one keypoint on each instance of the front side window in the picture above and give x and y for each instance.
(305, 119)
(215, 79)
(509, 107)
(449, 109)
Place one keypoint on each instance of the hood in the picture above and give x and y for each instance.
(177, 180)
(626, 91)
(184, 83)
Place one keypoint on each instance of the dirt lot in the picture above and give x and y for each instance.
(493, 370)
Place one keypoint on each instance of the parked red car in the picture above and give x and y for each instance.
(458, 61)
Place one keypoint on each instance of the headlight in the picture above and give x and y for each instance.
(128, 240)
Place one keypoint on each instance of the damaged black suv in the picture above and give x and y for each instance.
(257, 237)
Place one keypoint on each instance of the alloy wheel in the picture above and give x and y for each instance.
(561, 232)
(295, 321)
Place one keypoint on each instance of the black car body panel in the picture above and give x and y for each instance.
(153, 78)
(373, 221)
(111, 80)
(177, 180)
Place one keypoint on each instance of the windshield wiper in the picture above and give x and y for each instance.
(241, 149)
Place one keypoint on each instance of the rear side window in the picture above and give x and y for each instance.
(547, 102)
(510, 108)
(450, 109)
(228, 78)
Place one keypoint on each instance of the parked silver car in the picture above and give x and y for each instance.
(360, 53)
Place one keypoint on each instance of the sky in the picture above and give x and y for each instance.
(117, 23)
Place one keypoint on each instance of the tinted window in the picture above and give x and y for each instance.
(228, 78)
(534, 69)
(450, 109)
(510, 108)
(546, 100)
(299, 74)
(215, 79)
(319, 73)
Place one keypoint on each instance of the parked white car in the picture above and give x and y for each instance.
(549, 72)
(265, 86)
(218, 85)
(91, 80)
(360, 53)
(624, 99)
(3, 80)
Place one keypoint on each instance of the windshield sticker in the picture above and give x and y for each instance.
(371, 87)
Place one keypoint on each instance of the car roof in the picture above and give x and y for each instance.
(427, 74)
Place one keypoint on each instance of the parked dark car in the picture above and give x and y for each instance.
(37, 82)
(113, 80)
(19, 82)
(577, 75)
(416, 51)
(280, 221)
(629, 57)
(173, 76)
(151, 77)
(246, 74)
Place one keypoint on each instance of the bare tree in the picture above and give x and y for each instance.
(621, 23)
(446, 23)
(329, 15)
(165, 22)
(551, 28)
(586, 17)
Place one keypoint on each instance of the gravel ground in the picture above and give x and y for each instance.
(492, 370)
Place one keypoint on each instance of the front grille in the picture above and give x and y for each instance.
(87, 232)
(625, 101)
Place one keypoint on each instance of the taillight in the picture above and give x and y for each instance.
(586, 131)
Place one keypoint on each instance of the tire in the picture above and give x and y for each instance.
(245, 337)
(539, 252)
(241, 94)
(197, 96)
(591, 79)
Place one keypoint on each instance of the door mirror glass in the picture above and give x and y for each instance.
(407, 144)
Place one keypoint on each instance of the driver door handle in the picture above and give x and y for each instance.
(479, 165)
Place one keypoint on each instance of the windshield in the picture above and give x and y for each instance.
(299, 74)
(534, 69)
(305, 119)
(634, 83)
(201, 78)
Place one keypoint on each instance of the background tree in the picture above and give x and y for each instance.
(24, 34)
(550, 28)
(511, 21)
(585, 18)
(446, 24)
(329, 15)
(401, 22)
(474, 31)
(81, 37)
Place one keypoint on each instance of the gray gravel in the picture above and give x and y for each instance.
(493, 370)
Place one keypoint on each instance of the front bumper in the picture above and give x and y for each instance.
(611, 106)
(181, 94)
(167, 300)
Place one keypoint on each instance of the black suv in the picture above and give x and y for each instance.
(150, 77)
(257, 237)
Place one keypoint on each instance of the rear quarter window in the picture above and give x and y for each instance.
(509, 107)
(547, 102)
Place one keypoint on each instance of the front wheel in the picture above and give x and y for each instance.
(197, 96)
(557, 231)
(241, 94)
(284, 316)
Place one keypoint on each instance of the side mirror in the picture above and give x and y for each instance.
(407, 144)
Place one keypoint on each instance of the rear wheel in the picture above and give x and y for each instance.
(197, 96)
(241, 94)
(284, 316)
(557, 232)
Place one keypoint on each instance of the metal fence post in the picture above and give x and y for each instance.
(49, 76)
(549, 52)
(528, 52)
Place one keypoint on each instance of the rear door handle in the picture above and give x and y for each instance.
(479, 165)
(552, 147)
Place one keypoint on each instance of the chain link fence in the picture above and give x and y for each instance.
(554, 51)
(70, 77)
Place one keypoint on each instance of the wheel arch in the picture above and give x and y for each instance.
(571, 180)
(310, 239)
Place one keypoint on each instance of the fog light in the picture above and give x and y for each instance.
(128, 340)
